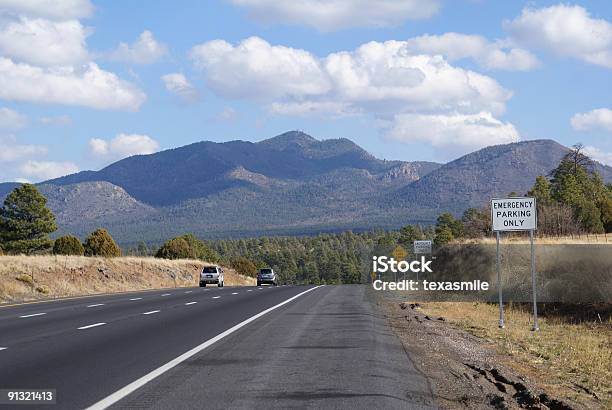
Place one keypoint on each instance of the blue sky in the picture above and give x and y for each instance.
(85, 83)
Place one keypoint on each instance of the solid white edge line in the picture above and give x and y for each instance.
(190, 303)
(90, 326)
(33, 314)
(130, 388)
(97, 304)
(151, 312)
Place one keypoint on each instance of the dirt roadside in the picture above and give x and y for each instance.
(467, 371)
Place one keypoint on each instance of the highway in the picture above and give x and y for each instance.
(218, 348)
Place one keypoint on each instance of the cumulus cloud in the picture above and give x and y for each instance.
(145, 50)
(123, 145)
(10, 119)
(88, 86)
(177, 84)
(12, 150)
(333, 15)
(565, 30)
(598, 155)
(44, 42)
(52, 9)
(43, 170)
(497, 55)
(452, 130)
(256, 69)
(600, 118)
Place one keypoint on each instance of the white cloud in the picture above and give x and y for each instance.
(43, 170)
(565, 30)
(492, 55)
(123, 145)
(309, 108)
(11, 150)
(10, 119)
(255, 69)
(228, 114)
(333, 15)
(377, 77)
(453, 130)
(177, 84)
(87, 86)
(58, 121)
(598, 155)
(145, 50)
(600, 118)
(53, 9)
(44, 42)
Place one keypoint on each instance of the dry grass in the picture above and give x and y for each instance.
(578, 354)
(24, 278)
(549, 240)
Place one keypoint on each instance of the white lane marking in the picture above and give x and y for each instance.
(188, 291)
(260, 288)
(34, 314)
(167, 294)
(151, 312)
(135, 298)
(136, 384)
(190, 303)
(3, 348)
(97, 304)
(216, 297)
(206, 289)
(234, 293)
(249, 290)
(90, 326)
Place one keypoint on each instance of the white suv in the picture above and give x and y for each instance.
(211, 275)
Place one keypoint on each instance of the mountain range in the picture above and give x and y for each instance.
(289, 184)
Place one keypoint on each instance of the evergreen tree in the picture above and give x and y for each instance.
(101, 243)
(68, 245)
(541, 191)
(175, 248)
(26, 222)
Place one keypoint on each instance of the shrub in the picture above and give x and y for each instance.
(187, 247)
(1, 251)
(100, 243)
(244, 267)
(176, 248)
(68, 245)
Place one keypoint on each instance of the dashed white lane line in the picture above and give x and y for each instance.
(260, 288)
(249, 290)
(216, 297)
(135, 298)
(34, 314)
(188, 291)
(190, 303)
(90, 326)
(3, 348)
(234, 293)
(167, 294)
(97, 304)
(151, 312)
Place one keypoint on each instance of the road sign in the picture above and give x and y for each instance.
(422, 247)
(514, 214)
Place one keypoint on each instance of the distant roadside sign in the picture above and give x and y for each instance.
(422, 247)
(514, 214)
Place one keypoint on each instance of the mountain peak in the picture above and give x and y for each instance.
(290, 138)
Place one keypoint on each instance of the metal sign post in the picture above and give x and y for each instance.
(515, 214)
(499, 287)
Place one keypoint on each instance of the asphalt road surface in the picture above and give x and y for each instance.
(211, 348)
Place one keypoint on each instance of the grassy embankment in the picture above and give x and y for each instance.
(24, 278)
(574, 343)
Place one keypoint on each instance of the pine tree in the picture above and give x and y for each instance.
(26, 222)
(101, 243)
